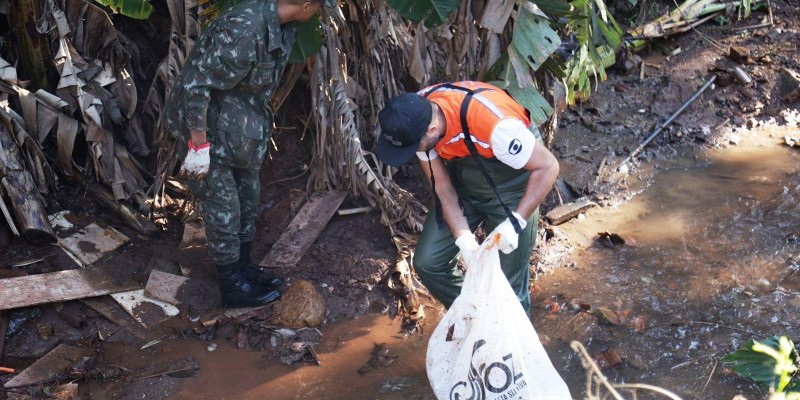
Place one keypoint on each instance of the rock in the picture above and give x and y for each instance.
(789, 85)
(301, 306)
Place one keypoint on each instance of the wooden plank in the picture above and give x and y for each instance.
(163, 286)
(54, 363)
(304, 230)
(92, 242)
(52, 287)
(567, 211)
(148, 312)
(109, 309)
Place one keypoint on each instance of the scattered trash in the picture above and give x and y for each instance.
(792, 140)
(610, 239)
(211, 347)
(604, 315)
(61, 220)
(741, 76)
(301, 306)
(397, 384)
(301, 351)
(740, 54)
(380, 357)
(608, 358)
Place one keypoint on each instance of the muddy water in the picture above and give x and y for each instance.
(709, 260)
(708, 263)
(399, 372)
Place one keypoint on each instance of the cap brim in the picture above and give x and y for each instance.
(394, 155)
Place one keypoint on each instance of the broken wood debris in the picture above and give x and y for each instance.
(109, 309)
(93, 242)
(220, 315)
(57, 362)
(53, 287)
(565, 212)
(303, 230)
(164, 287)
(148, 312)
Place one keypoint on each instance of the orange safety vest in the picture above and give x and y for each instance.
(487, 108)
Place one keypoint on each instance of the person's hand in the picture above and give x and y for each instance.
(508, 236)
(197, 161)
(468, 245)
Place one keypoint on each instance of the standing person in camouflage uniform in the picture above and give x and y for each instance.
(219, 108)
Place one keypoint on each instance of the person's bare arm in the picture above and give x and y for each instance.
(451, 210)
(544, 171)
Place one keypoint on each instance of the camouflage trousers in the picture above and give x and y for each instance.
(228, 199)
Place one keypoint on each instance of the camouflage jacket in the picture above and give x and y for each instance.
(227, 82)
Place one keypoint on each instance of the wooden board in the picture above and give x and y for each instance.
(109, 309)
(148, 312)
(304, 230)
(92, 242)
(163, 286)
(568, 211)
(54, 363)
(52, 287)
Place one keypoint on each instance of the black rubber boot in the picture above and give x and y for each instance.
(237, 291)
(254, 274)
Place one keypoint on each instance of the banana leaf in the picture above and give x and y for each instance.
(137, 9)
(431, 12)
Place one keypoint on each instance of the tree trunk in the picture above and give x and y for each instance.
(34, 54)
(18, 184)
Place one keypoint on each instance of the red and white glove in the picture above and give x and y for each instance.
(508, 236)
(468, 245)
(197, 161)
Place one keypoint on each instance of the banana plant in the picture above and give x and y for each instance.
(137, 9)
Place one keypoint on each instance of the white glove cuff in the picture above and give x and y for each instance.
(522, 222)
(465, 238)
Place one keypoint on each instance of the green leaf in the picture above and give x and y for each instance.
(533, 38)
(769, 363)
(136, 9)
(432, 12)
(309, 41)
(744, 9)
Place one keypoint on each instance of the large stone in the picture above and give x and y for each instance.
(301, 306)
(789, 86)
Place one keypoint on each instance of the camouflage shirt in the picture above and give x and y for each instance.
(227, 82)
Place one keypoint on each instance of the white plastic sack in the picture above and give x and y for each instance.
(485, 347)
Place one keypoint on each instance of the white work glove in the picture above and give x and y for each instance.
(508, 236)
(197, 161)
(468, 245)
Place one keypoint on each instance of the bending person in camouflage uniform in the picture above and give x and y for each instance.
(219, 109)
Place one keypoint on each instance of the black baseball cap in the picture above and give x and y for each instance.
(403, 124)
